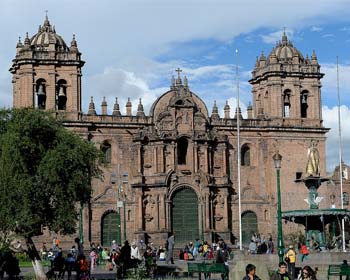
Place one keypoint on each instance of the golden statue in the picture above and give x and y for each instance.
(313, 161)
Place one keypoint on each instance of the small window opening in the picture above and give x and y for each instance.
(286, 104)
(106, 149)
(41, 94)
(245, 156)
(303, 105)
(182, 146)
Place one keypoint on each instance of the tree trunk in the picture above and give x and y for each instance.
(36, 260)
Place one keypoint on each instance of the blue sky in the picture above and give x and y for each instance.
(132, 48)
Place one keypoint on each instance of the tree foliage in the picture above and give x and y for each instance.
(44, 171)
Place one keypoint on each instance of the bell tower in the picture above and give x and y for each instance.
(47, 73)
(287, 86)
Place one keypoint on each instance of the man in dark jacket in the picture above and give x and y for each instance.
(125, 256)
(250, 273)
(282, 273)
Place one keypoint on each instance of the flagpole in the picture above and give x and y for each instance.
(340, 160)
(238, 158)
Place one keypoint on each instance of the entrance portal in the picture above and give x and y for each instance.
(185, 216)
(249, 226)
(111, 229)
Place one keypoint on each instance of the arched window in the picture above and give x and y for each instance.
(40, 89)
(245, 156)
(61, 95)
(106, 149)
(303, 104)
(182, 146)
(286, 103)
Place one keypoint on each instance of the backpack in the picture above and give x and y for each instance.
(83, 266)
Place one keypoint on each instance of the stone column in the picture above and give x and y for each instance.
(51, 91)
(161, 159)
(162, 212)
(155, 159)
(168, 221)
(224, 160)
(174, 158)
(195, 155)
(207, 212)
(139, 211)
(206, 169)
(138, 149)
(225, 211)
(157, 212)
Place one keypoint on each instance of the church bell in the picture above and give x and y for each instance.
(61, 92)
(41, 90)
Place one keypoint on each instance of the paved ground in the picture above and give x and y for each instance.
(101, 272)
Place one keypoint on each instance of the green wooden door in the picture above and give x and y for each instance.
(185, 216)
(249, 226)
(111, 229)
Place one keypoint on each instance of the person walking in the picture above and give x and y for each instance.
(125, 255)
(290, 258)
(344, 265)
(170, 248)
(135, 255)
(304, 252)
(282, 273)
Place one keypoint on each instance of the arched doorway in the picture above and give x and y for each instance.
(249, 226)
(110, 229)
(185, 216)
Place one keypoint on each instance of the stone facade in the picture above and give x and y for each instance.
(154, 162)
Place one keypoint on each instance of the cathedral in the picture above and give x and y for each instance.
(174, 168)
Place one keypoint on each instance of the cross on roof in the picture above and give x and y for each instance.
(178, 70)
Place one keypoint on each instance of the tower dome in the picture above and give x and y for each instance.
(47, 36)
(285, 51)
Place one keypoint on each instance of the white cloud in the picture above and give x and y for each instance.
(316, 29)
(328, 35)
(345, 29)
(5, 91)
(209, 82)
(118, 83)
(330, 117)
(276, 36)
(329, 82)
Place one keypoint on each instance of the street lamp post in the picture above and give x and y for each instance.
(124, 181)
(277, 159)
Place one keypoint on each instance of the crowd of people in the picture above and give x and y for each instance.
(124, 257)
(259, 245)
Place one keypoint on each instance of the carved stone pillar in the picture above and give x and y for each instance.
(224, 160)
(161, 159)
(168, 221)
(157, 212)
(207, 212)
(195, 154)
(139, 212)
(138, 160)
(162, 212)
(155, 159)
(226, 211)
(206, 169)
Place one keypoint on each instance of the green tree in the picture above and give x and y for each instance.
(45, 171)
